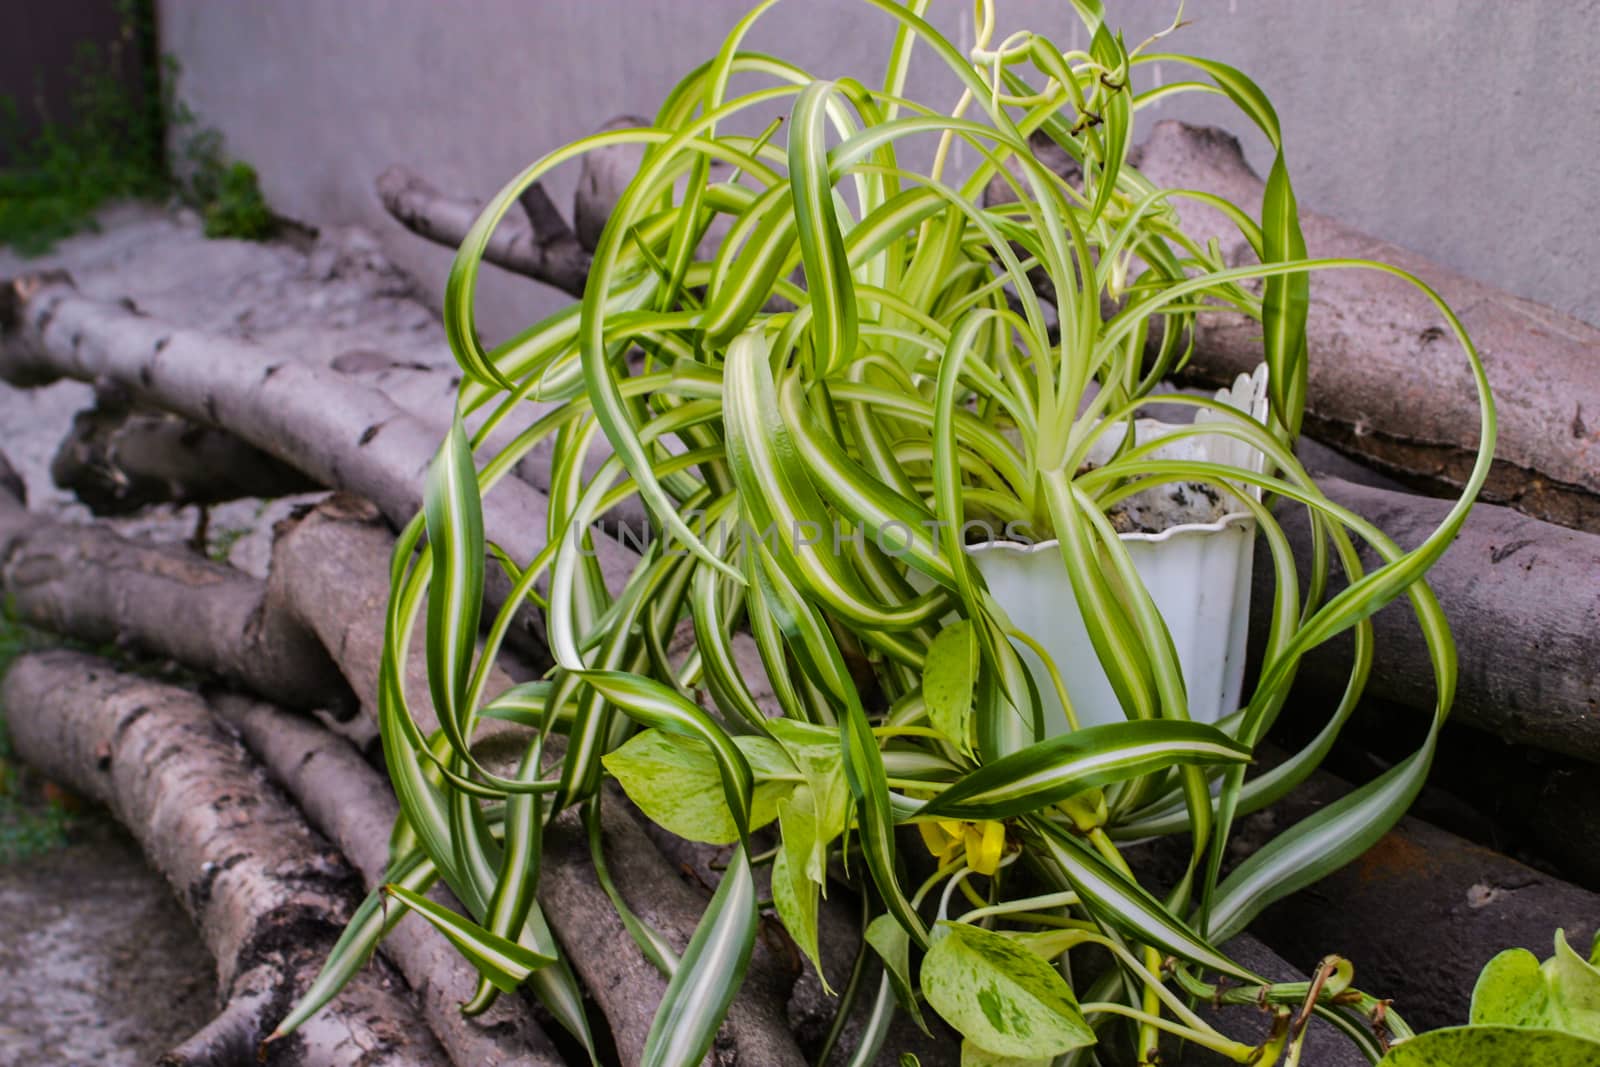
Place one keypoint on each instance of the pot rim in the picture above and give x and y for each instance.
(1183, 529)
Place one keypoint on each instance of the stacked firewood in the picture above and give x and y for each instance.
(259, 792)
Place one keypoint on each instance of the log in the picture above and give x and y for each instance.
(1433, 908)
(338, 546)
(353, 804)
(268, 895)
(1387, 383)
(1513, 791)
(542, 247)
(342, 543)
(86, 580)
(603, 176)
(554, 258)
(327, 425)
(309, 560)
(118, 461)
(350, 803)
(1523, 600)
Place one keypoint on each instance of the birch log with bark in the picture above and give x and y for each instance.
(351, 804)
(268, 895)
(334, 429)
(1523, 600)
(160, 600)
(556, 259)
(118, 461)
(1419, 913)
(338, 546)
(1387, 382)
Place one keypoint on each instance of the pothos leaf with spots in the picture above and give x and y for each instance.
(1003, 998)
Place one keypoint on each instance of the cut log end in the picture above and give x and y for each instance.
(118, 461)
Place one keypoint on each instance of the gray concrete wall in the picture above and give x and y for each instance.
(1466, 129)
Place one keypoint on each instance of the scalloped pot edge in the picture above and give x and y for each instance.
(1199, 576)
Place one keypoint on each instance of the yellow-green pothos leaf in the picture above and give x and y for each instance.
(948, 678)
(1001, 996)
(675, 780)
(503, 962)
(1494, 1046)
(975, 1056)
(794, 892)
(815, 751)
(890, 940)
(1563, 993)
(1511, 991)
(1575, 989)
(1048, 944)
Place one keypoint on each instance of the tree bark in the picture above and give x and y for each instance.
(1433, 908)
(338, 546)
(335, 430)
(1387, 382)
(163, 601)
(603, 176)
(1523, 600)
(342, 544)
(268, 895)
(118, 461)
(349, 802)
(556, 259)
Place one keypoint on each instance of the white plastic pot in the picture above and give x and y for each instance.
(1198, 574)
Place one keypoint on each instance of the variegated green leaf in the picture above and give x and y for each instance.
(1121, 904)
(653, 704)
(455, 595)
(893, 945)
(794, 891)
(709, 974)
(504, 963)
(833, 307)
(1000, 996)
(1053, 770)
(1493, 1046)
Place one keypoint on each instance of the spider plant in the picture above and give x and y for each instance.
(809, 407)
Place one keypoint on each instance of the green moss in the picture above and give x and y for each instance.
(111, 145)
(30, 821)
(219, 546)
(239, 209)
(107, 145)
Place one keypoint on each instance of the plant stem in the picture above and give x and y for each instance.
(1234, 1050)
